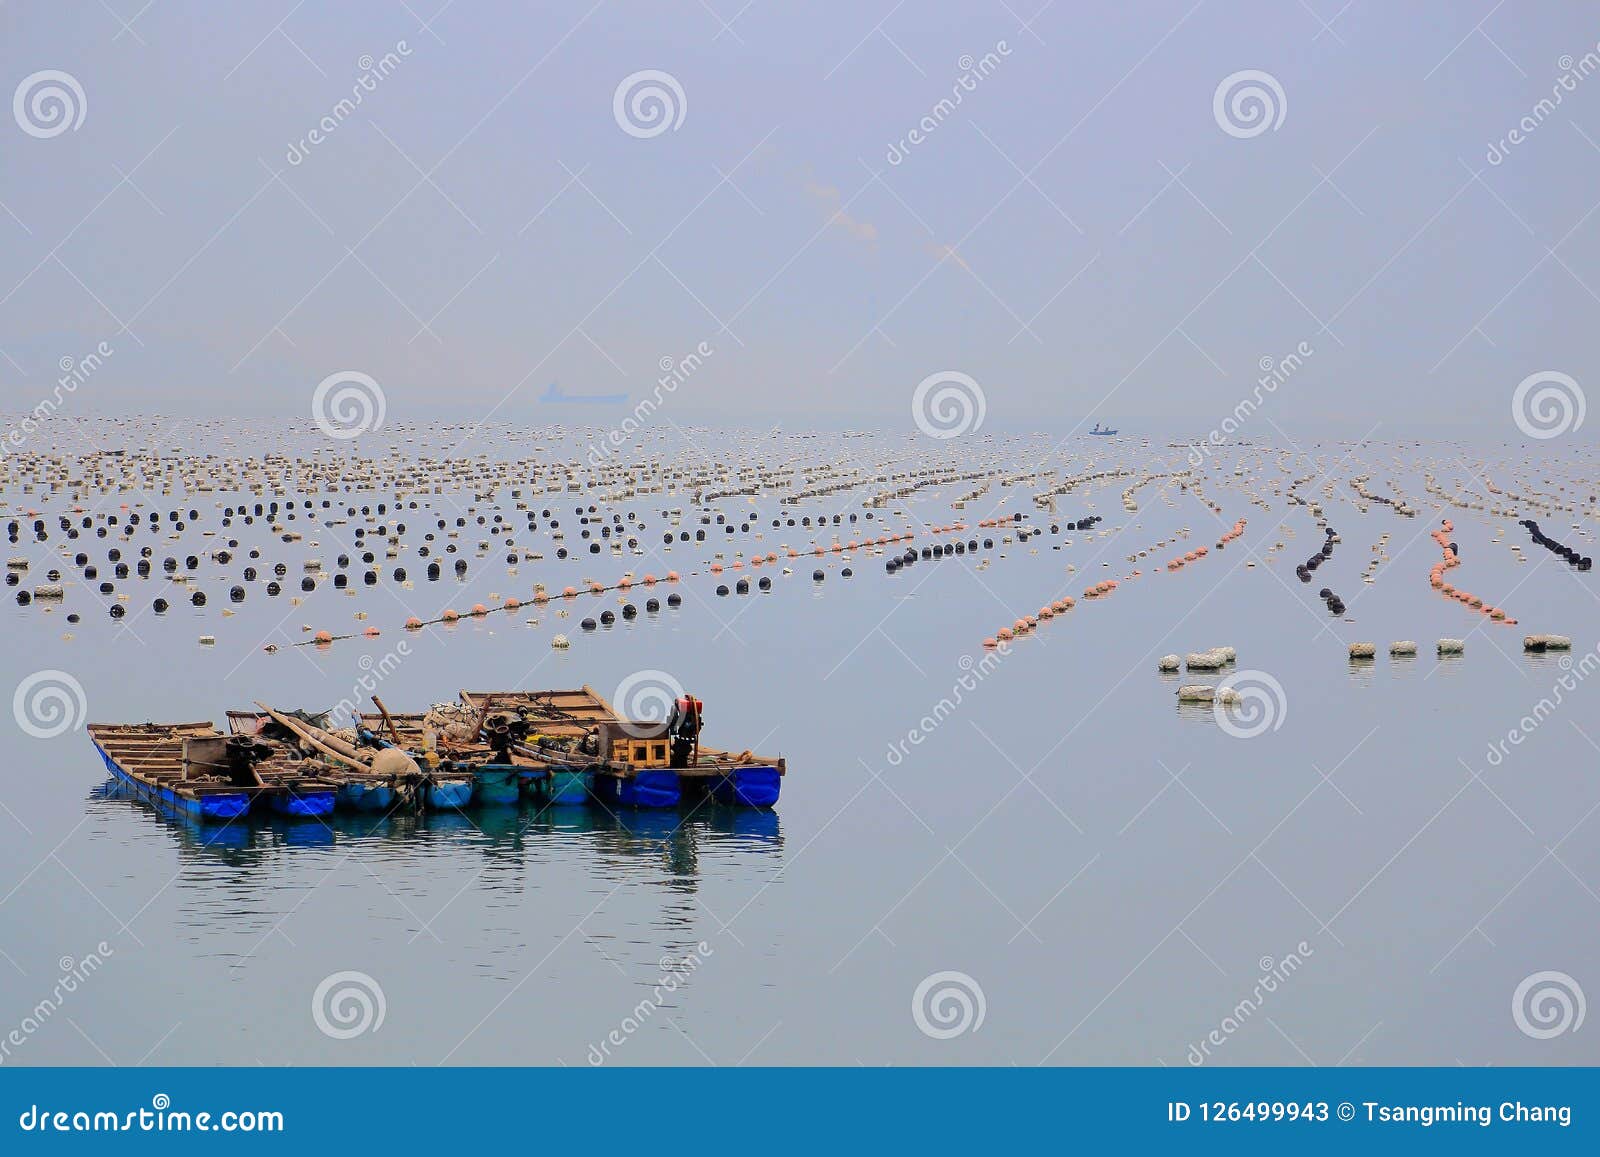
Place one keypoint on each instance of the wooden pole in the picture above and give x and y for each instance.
(394, 732)
(305, 733)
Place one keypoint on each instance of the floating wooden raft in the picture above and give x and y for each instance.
(185, 767)
(632, 766)
(366, 787)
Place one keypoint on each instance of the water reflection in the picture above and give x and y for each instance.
(508, 838)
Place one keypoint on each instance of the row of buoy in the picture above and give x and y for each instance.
(1029, 623)
(1573, 557)
(1401, 649)
(1211, 659)
(1231, 534)
(630, 612)
(1304, 571)
(1451, 560)
(179, 519)
(937, 551)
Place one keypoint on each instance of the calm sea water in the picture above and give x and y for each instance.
(1112, 876)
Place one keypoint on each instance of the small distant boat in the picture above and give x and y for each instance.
(1102, 431)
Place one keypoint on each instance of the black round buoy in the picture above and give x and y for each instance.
(722, 589)
(629, 611)
(236, 594)
(765, 583)
(587, 624)
(652, 605)
(160, 606)
(816, 576)
(674, 600)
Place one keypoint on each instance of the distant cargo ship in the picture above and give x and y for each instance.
(1102, 431)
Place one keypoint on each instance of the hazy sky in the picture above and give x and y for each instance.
(1079, 234)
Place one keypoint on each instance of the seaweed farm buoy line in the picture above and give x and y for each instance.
(1451, 560)
(1574, 558)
